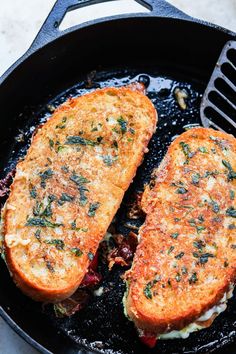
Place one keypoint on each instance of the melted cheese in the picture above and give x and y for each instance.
(193, 327)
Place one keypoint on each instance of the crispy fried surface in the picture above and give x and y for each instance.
(70, 185)
(186, 258)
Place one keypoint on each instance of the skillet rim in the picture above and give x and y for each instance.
(34, 49)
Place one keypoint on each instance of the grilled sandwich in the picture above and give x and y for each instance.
(185, 265)
(69, 186)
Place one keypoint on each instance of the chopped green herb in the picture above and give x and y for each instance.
(41, 222)
(47, 211)
(192, 222)
(60, 148)
(233, 247)
(177, 184)
(115, 130)
(90, 256)
(226, 264)
(95, 129)
(92, 208)
(180, 255)
(123, 124)
(186, 150)
(214, 244)
(147, 290)
(33, 192)
(200, 228)
(211, 173)
(73, 227)
(65, 169)
(65, 198)
(80, 181)
(231, 212)
(232, 227)
(219, 142)
(215, 206)
(184, 270)
(78, 140)
(199, 244)
(193, 279)
(178, 277)
(109, 160)
(132, 131)
(204, 257)
(52, 198)
(181, 190)
(196, 178)
(195, 254)
(114, 144)
(231, 173)
(49, 266)
(59, 244)
(39, 211)
(77, 252)
(51, 143)
(201, 218)
(170, 249)
(186, 207)
(232, 194)
(203, 149)
(37, 235)
(174, 235)
(62, 124)
(44, 176)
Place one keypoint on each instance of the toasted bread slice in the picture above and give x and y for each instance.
(69, 187)
(186, 259)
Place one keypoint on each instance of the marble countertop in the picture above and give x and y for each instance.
(20, 20)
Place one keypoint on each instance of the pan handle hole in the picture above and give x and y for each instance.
(76, 16)
(231, 55)
(228, 70)
(215, 120)
(222, 104)
(225, 89)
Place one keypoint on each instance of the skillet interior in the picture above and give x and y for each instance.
(169, 52)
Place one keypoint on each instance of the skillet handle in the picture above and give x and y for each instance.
(161, 8)
(50, 29)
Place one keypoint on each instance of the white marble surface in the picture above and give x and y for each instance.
(20, 20)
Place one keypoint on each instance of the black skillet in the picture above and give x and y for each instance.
(163, 48)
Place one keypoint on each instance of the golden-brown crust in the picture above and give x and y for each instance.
(186, 258)
(70, 185)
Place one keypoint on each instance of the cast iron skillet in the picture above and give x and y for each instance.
(163, 48)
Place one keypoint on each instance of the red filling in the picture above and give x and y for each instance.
(149, 341)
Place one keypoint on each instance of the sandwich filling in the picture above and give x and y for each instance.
(202, 322)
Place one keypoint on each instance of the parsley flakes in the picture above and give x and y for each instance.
(123, 124)
(92, 208)
(45, 176)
